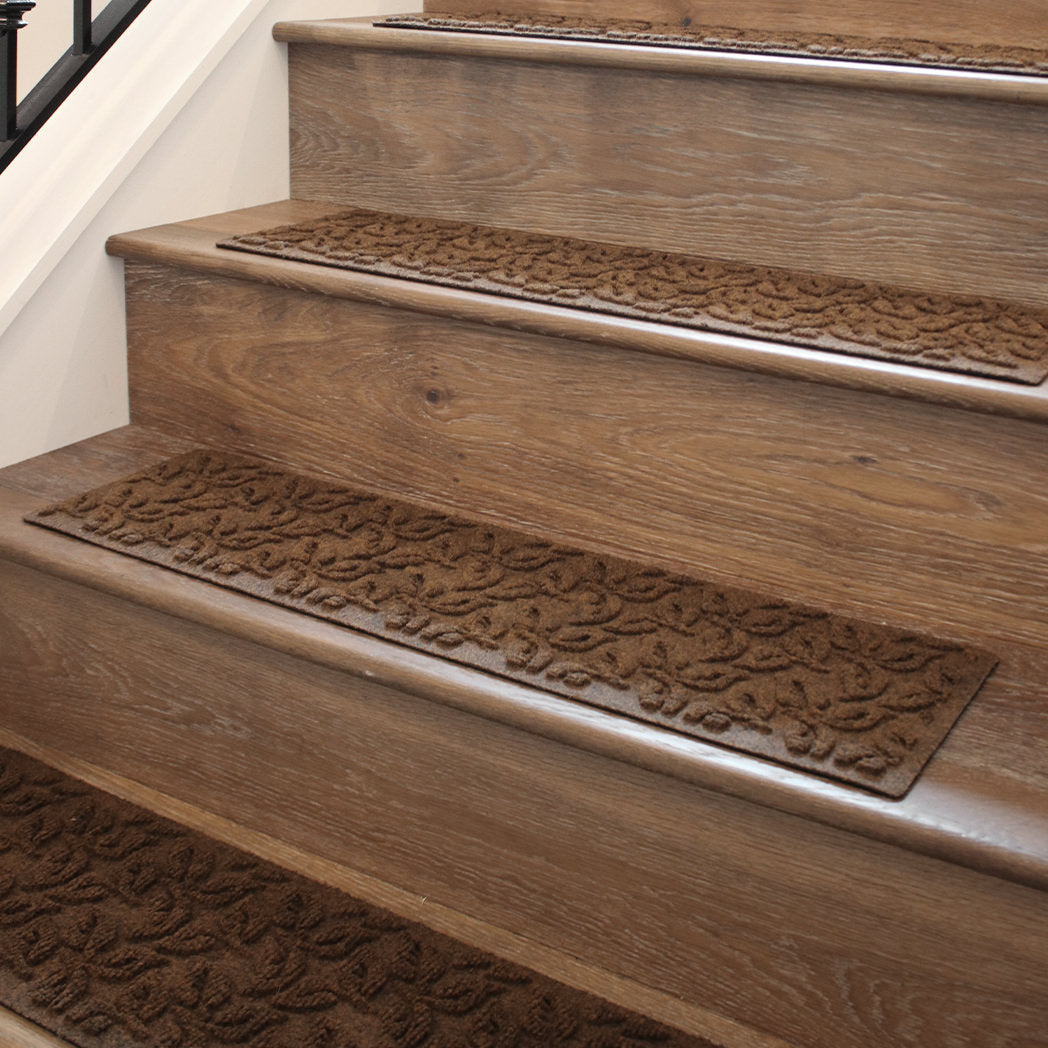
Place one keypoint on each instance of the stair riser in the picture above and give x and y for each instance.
(1015, 22)
(914, 513)
(944, 194)
(750, 913)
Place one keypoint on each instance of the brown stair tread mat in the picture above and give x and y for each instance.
(122, 929)
(983, 58)
(967, 334)
(861, 702)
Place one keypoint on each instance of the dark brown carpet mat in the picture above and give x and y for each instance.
(120, 929)
(857, 701)
(983, 58)
(973, 335)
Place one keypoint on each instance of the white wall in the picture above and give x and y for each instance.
(46, 37)
(63, 374)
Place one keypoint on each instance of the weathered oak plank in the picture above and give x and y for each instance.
(940, 81)
(937, 193)
(16, 1032)
(981, 803)
(916, 513)
(1010, 22)
(410, 905)
(192, 244)
(815, 936)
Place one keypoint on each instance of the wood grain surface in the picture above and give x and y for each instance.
(410, 905)
(107, 457)
(885, 508)
(1020, 22)
(772, 928)
(192, 244)
(981, 803)
(815, 936)
(942, 194)
(858, 76)
(15, 1032)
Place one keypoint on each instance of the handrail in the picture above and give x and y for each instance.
(91, 39)
(10, 23)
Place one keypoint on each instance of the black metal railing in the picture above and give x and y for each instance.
(91, 39)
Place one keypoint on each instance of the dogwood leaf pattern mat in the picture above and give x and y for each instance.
(858, 701)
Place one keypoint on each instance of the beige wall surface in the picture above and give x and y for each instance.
(63, 370)
(46, 37)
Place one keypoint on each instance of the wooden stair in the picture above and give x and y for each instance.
(734, 898)
(1017, 22)
(931, 179)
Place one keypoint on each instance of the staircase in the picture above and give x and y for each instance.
(735, 898)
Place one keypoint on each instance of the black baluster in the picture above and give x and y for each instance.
(81, 27)
(10, 22)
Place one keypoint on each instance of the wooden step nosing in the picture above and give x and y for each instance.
(862, 76)
(16, 1032)
(921, 823)
(193, 249)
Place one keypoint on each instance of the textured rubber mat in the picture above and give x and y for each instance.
(857, 701)
(882, 50)
(967, 334)
(120, 929)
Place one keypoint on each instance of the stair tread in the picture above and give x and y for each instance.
(405, 903)
(721, 664)
(982, 802)
(193, 244)
(967, 334)
(869, 74)
(311, 999)
(837, 47)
